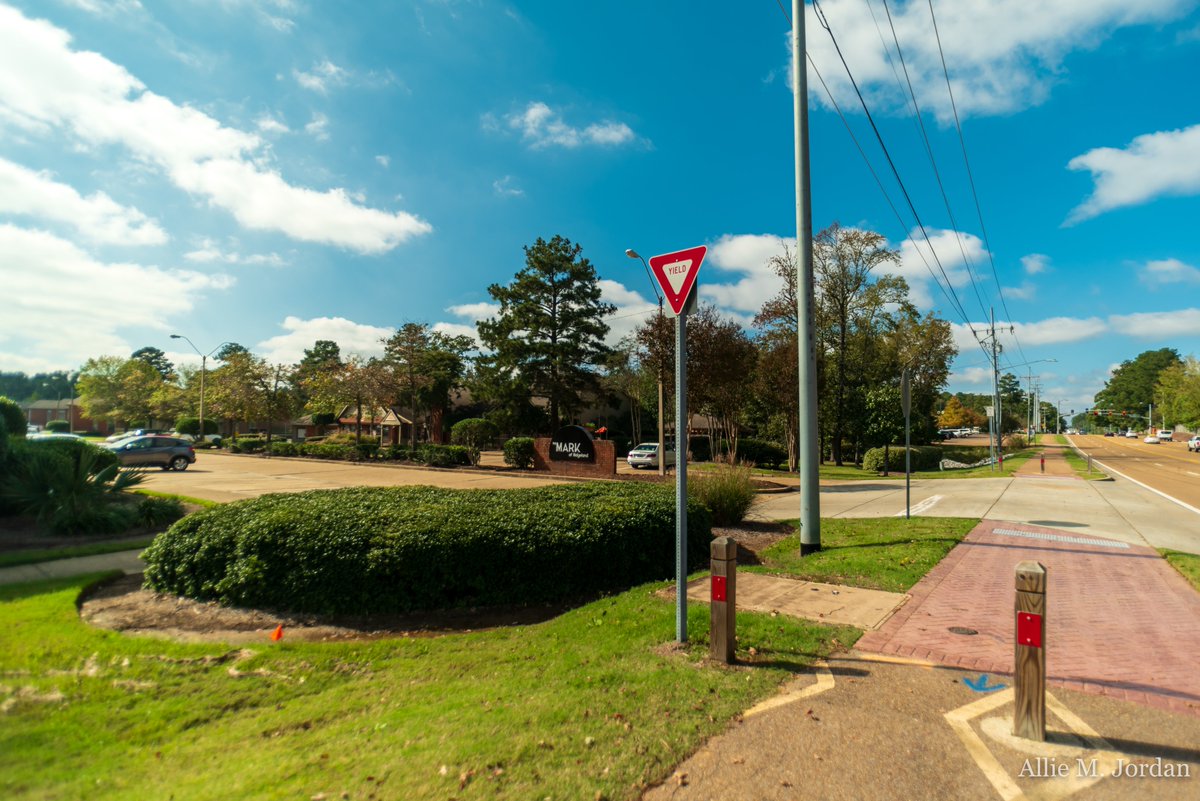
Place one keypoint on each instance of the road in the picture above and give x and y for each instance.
(1167, 467)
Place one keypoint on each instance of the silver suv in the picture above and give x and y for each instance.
(1194, 444)
(169, 453)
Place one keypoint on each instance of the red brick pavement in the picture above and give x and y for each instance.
(1120, 622)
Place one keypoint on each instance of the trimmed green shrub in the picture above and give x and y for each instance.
(1015, 442)
(728, 492)
(152, 511)
(924, 457)
(281, 448)
(191, 426)
(59, 426)
(475, 433)
(101, 458)
(519, 452)
(14, 417)
(389, 549)
(761, 453)
(443, 455)
(396, 453)
(327, 450)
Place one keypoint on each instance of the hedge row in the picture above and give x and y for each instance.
(394, 549)
(924, 457)
(365, 451)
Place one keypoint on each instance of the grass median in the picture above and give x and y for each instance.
(1186, 563)
(1078, 463)
(888, 553)
(595, 703)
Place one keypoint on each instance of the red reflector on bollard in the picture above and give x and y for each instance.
(1029, 629)
(718, 588)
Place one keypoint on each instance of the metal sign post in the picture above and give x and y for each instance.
(676, 274)
(906, 404)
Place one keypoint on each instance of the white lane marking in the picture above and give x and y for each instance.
(1159, 464)
(1160, 493)
(921, 506)
(1190, 473)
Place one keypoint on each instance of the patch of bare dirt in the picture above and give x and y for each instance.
(123, 605)
(753, 537)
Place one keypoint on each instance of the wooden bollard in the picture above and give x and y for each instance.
(1029, 673)
(723, 603)
(1043, 464)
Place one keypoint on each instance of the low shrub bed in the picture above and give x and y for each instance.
(924, 457)
(397, 549)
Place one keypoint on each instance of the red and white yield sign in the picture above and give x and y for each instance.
(676, 274)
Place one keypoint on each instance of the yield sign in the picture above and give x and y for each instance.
(676, 274)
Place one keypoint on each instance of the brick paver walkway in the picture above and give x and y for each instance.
(1120, 621)
(1055, 465)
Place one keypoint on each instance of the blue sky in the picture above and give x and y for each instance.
(274, 172)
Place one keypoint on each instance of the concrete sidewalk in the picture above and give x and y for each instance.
(125, 561)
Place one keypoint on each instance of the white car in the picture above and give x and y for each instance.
(1151, 440)
(1131, 435)
(646, 455)
(1194, 444)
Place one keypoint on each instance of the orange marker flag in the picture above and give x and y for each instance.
(277, 634)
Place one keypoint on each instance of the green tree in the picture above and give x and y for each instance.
(98, 388)
(1177, 393)
(231, 349)
(852, 309)
(1131, 387)
(422, 367)
(156, 359)
(549, 332)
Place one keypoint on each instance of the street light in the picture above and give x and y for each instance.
(1030, 417)
(662, 441)
(203, 369)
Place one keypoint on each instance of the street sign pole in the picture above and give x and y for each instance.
(906, 402)
(681, 449)
(676, 274)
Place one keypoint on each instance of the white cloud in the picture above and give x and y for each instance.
(972, 375)
(105, 8)
(475, 311)
(1002, 56)
(268, 124)
(1158, 325)
(322, 76)
(1153, 165)
(208, 253)
(1035, 263)
(1057, 330)
(352, 338)
(1026, 291)
(504, 187)
(318, 127)
(748, 254)
(383, 161)
(633, 308)
(918, 266)
(456, 330)
(97, 216)
(65, 307)
(542, 127)
(1169, 271)
(45, 85)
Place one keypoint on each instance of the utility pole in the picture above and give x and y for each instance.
(810, 501)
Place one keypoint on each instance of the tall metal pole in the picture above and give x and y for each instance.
(810, 500)
(997, 428)
(681, 440)
(203, 366)
(662, 439)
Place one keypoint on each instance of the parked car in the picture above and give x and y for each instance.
(1131, 434)
(30, 429)
(1194, 444)
(169, 453)
(45, 435)
(646, 455)
(136, 432)
(215, 439)
(1109, 434)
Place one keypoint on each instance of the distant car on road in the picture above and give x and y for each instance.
(1165, 434)
(169, 453)
(1109, 434)
(1131, 435)
(1151, 440)
(646, 455)
(1194, 444)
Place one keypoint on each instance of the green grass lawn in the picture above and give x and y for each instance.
(850, 472)
(1186, 563)
(877, 553)
(587, 705)
(1078, 463)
